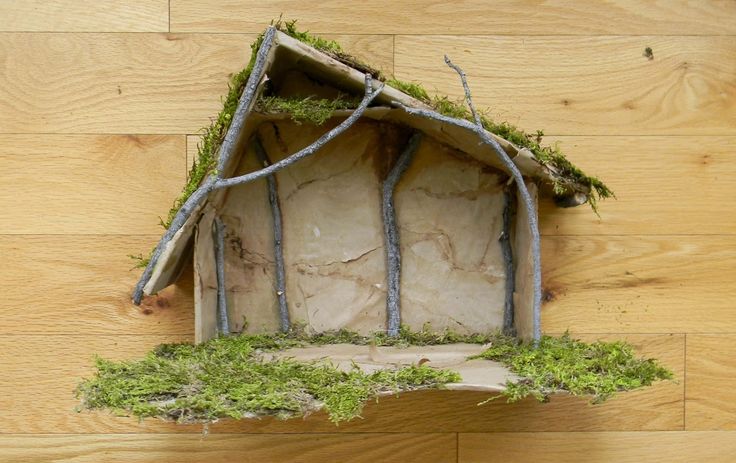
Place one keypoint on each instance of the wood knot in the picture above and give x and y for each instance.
(548, 295)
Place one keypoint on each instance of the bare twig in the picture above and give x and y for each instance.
(508, 260)
(273, 199)
(487, 139)
(218, 232)
(391, 236)
(370, 95)
(468, 98)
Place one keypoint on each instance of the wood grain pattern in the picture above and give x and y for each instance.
(59, 361)
(128, 83)
(639, 284)
(84, 16)
(586, 85)
(602, 447)
(134, 180)
(592, 284)
(82, 284)
(141, 448)
(711, 367)
(502, 17)
(678, 181)
(146, 171)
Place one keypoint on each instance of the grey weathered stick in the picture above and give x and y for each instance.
(179, 219)
(487, 139)
(391, 236)
(245, 102)
(370, 95)
(525, 196)
(273, 199)
(218, 235)
(226, 150)
(466, 88)
(508, 260)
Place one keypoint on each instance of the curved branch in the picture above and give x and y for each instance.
(370, 95)
(391, 236)
(487, 139)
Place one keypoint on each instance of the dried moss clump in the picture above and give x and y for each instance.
(600, 369)
(227, 378)
(312, 110)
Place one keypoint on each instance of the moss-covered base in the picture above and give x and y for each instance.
(229, 377)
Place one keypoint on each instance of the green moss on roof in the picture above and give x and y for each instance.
(213, 135)
(313, 110)
(568, 174)
(228, 377)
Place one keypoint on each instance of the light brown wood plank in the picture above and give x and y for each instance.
(639, 284)
(128, 83)
(506, 17)
(586, 85)
(84, 15)
(603, 447)
(711, 374)
(86, 184)
(141, 448)
(683, 182)
(82, 284)
(41, 372)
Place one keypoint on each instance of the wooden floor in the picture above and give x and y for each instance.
(100, 106)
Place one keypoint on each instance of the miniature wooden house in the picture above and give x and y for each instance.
(380, 216)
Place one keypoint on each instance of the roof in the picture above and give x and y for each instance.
(286, 50)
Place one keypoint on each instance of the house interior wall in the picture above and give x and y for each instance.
(449, 210)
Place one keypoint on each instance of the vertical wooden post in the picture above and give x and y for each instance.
(508, 260)
(391, 236)
(223, 324)
(273, 198)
